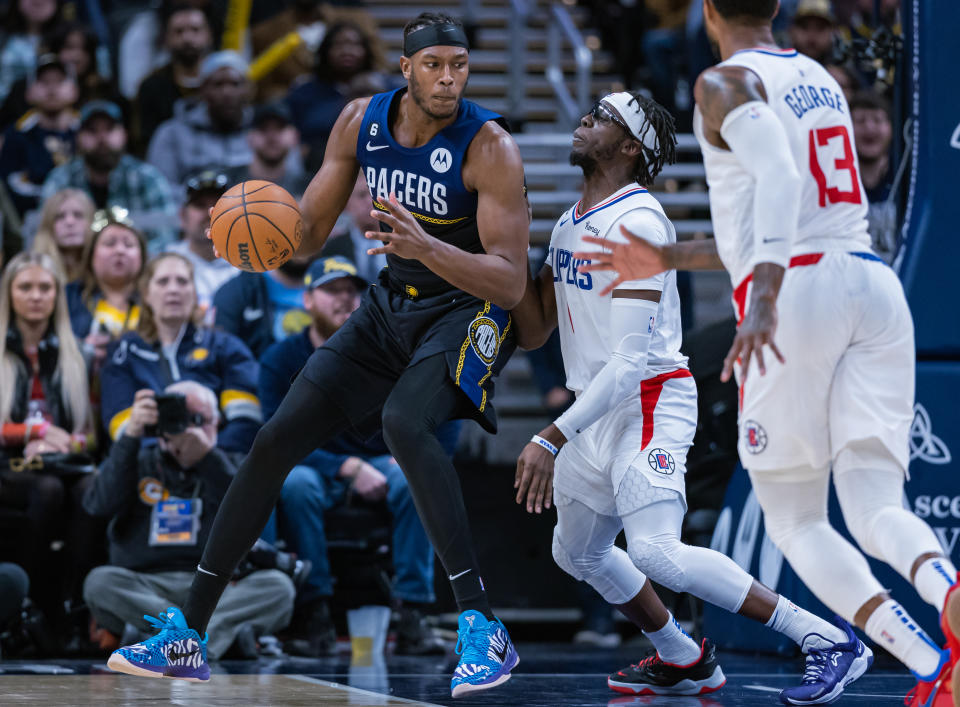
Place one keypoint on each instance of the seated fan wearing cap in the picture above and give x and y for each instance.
(423, 348)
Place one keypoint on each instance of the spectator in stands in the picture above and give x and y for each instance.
(24, 24)
(187, 37)
(104, 301)
(170, 345)
(44, 393)
(846, 77)
(76, 46)
(872, 135)
(322, 479)
(64, 221)
(273, 141)
(211, 132)
(344, 59)
(114, 178)
(813, 29)
(347, 239)
(261, 308)
(306, 18)
(209, 271)
(44, 137)
(153, 552)
(44, 411)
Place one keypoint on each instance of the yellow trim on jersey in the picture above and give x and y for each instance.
(483, 391)
(232, 395)
(466, 343)
(428, 219)
(118, 421)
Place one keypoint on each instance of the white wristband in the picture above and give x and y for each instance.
(537, 439)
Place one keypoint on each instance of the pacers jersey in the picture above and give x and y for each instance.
(816, 117)
(427, 180)
(582, 316)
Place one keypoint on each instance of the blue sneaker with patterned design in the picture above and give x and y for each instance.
(486, 654)
(175, 652)
(829, 670)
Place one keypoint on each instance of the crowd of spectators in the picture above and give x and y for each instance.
(136, 367)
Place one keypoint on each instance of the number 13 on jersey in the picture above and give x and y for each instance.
(827, 138)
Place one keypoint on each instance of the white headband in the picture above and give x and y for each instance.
(634, 117)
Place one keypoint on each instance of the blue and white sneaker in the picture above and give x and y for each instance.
(830, 670)
(486, 654)
(175, 652)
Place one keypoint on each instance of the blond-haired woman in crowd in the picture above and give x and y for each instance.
(64, 221)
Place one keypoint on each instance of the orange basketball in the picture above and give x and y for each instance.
(256, 226)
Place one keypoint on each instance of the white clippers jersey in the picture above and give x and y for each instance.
(584, 317)
(814, 112)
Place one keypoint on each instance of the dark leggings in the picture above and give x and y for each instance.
(423, 398)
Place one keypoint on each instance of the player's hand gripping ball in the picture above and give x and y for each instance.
(256, 226)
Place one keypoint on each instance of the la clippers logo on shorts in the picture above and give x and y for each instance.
(754, 436)
(485, 338)
(661, 461)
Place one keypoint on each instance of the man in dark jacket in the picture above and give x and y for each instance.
(162, 500)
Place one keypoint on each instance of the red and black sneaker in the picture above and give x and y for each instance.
(652, 676)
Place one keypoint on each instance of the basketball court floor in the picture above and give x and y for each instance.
(549, 675)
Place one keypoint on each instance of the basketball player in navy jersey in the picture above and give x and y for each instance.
(423, 348)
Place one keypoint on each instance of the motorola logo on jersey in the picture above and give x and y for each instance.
(661, 461)
(754, 436)
(565, 268)
(413, 190)
(441, 160)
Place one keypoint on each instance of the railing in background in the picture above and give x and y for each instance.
(561, 26)
(517, 73)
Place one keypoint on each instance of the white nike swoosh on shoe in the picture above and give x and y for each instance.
(374, 148)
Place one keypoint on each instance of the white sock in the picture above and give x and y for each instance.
(892, 628)
(934, 579)
(803, 628)
(674, 645)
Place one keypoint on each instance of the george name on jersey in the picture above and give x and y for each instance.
(804, 98)
(413, 190)
(566, 269)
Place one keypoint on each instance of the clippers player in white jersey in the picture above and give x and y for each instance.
(616, 458)
(836, 394)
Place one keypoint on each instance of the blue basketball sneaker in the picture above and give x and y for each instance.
(829, 670)
(486, 654)
(175, 652)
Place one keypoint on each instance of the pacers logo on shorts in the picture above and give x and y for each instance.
(661, 461)
(485, 338)
(754, 437)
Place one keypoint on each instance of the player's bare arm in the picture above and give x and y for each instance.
(719, 92)
(494, 170)
(638, 258)
(535, 316)
(328, 191)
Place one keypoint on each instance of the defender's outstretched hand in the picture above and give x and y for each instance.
(408, 239)
(637, 259)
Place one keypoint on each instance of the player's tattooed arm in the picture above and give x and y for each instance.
(328, 191)
(719, 90)
(535, 316)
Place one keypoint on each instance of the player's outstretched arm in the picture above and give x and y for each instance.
(639, 259)
(328, 191)
(535, 316)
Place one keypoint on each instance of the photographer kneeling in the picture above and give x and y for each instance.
(162, 499)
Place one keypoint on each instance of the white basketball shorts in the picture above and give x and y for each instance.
(647, 434)
(846, 335)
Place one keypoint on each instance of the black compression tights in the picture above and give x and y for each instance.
(423, 398)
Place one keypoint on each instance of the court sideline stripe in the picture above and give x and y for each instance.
(348, 688)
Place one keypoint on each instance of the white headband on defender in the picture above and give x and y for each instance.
(634, 117)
